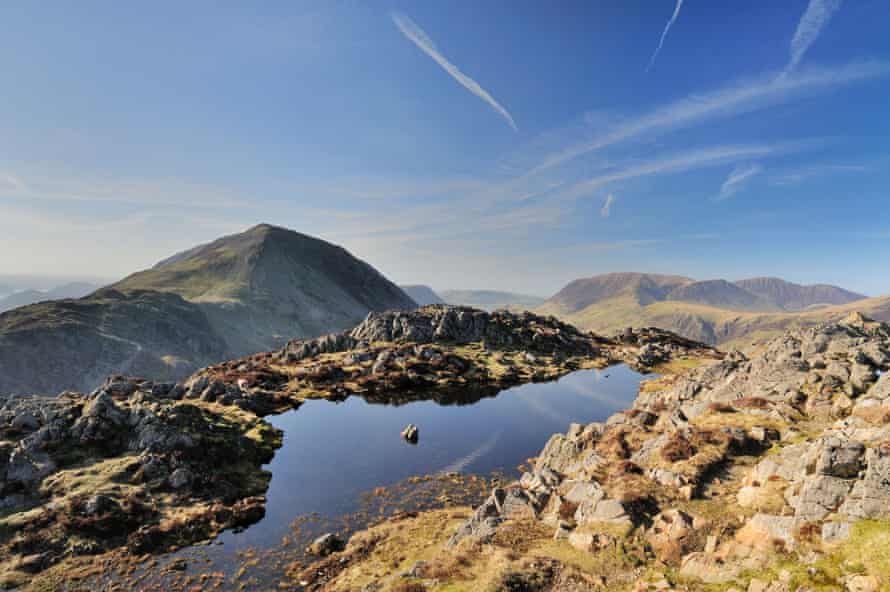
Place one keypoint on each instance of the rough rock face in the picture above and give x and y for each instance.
(136, 446)
(62, 345)
(451, 324)
(817, 399)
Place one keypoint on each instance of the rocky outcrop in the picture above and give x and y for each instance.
(816, 399)
(166, 452)
(454, 325)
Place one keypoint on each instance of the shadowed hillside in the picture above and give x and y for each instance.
(422, 295)
(237, 295)
(270, 284)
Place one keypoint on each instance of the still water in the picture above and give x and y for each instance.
(333, 452)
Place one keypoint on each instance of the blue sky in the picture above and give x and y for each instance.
(511, 145)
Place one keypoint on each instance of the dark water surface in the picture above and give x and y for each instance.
(333, 453)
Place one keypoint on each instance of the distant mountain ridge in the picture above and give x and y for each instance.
(643, 288)
(756, 294)
(422, 295)
(26, 297)
(491, 299)
(715, 311)
(790, 296)
(240, 294)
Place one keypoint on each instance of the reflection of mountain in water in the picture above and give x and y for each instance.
(456, 396)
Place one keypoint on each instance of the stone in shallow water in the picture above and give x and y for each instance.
(411, 433)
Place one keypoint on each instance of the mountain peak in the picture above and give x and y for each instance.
(295, 284)
(790, 296)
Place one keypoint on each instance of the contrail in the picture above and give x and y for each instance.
(606, 210)
(417, 36)
(667, 28)
(814, 19)
(736, 179)
(463, 462)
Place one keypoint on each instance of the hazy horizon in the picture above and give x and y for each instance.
(504, 146)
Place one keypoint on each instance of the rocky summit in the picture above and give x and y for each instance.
(140, 466)
(766, 471)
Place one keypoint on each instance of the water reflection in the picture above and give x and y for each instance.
(334, 451)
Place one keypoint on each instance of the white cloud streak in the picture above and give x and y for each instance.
(51, 186)
(732, 100)
(664, 33)
(606, 210)
(814, 19)
(419, 38)
(800, 175)
(685, 161)
(10, 182)
(737, 179)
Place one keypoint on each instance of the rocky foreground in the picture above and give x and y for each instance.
(765, 472)
(137, 466)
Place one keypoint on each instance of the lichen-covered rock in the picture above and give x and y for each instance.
(767, 532)
(870, 496)
(820, 496)
(503, 504)
(449, 324)
(840, 458)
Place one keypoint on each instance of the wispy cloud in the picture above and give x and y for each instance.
(417, 36)
(606, 210)
(10, 182)
(802, 174)
(740, 97)
(685, 161)
(814, 19)
(736, 180)
(664, 33)
(43, 185)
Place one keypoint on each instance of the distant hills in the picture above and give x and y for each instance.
(239, 294)
(26, 297)
(255, 290)
(492, 299)
(715, 311)
(485, 299)
(422, 295)
(793, 297)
